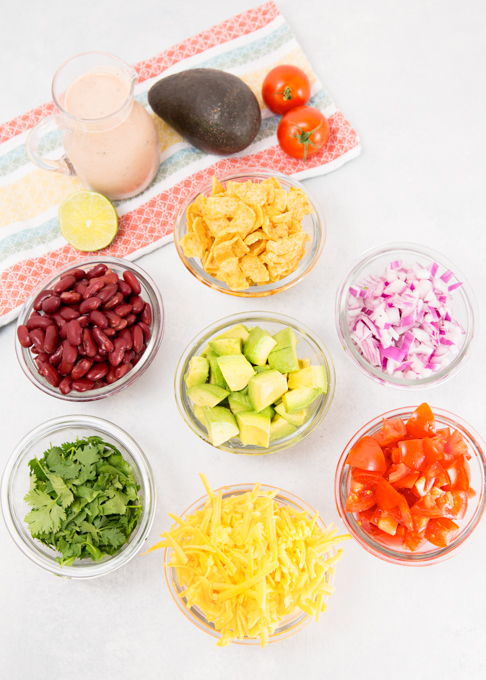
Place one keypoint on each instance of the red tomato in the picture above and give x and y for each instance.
(412, 453)
(436, 475)
(455, 446)
(367, 455)
(413, 540)
(285, 87)
(386, 496)
(365, 476)
(397, 472)
(390, 432)
(407, 519)
(363, 519)
(426, 507)
(391, 541)
(361, 500)
(422, 422)
(440, 532)
(407, 482)
(453, 504)
(463, 474)
(303, 132)
(433, 450)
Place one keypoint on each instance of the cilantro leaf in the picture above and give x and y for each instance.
(117, 503)
(47, 517)
(63, 493)
(113, 536)
(87, 456)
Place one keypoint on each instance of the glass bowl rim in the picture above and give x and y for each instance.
(303, 619)
(146, 481)
(257, 292)
(409, 558)
(152, 348)
(219, 325)
(466, 292)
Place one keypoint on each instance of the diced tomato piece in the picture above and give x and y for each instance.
(397, 472)
(367, 455)
(410, 495)
(433, 450)
(390, 432)
(426, 507)
(422, 422)
(463, 475)
(440, 532)
(365, 476)
(444, 433)
(361, 500)
(436, 476)
(395, 455)
(471, 493)
(388, 525)
(407, 482)
(412, 453)
(363, 518)
(413, 540)
(453, 504)
(455, 446)
(386, 496)
(391, 541)
(407, 519)
(420, 523)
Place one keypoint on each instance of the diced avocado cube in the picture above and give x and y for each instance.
(283, 357)
(267, 411)
(236, 370)
(254, 428)
(239, 402)
(300, 398)
(312, 376)
(221, 424)
(206, 395)
(238, 331)
(261, 369)
(304, 362)
(258, 346)
(280, 428)
(198, 371)
(265, 388)
(296, 419)
(215, 375)
(199, 413)
(226, 346)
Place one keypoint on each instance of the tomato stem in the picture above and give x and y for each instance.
(303, 137)
(287, 93)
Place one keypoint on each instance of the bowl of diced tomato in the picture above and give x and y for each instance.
(410, 485)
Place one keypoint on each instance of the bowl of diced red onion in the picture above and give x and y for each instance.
(406, 316)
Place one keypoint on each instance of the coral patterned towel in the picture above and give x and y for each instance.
(248, 45)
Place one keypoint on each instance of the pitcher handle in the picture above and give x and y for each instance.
(43, 127)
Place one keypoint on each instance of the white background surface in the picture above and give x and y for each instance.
(410, 78)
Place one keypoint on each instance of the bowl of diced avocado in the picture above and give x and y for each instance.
(255, 383)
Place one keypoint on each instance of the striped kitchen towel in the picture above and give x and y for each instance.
(248, 45)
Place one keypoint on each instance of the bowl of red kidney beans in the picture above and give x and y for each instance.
(90, 329)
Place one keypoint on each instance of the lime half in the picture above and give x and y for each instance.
(88, 221)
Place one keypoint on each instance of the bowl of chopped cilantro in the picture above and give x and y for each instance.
(78, 496)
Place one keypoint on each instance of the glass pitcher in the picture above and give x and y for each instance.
(110, 140)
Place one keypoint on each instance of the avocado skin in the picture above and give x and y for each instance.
(213, 110)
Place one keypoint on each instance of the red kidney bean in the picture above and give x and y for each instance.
(89, 345)
(128, 356)
(68, 313)
(74, 332)
(64, 284)
(124, 288)
(111, 377)
(95, 285)
(147, 333)
(77, 273)
(70, 352)
(110, 332)
(133, 282)
(124, 309)
(65, 386)
(41, 297)
(51, 304)
(81, 351)
(81, 368)
(131, 318)
(56, 356)
(37, 335)
(70, 297)
(59, 321)
(123, 370)
(64, 368)
(98, 357)
(136, 359)
(98, 318)
(51, 340)
(103, 353)
(41, 358)
(98, 371)
(146, 315)
(120, 325)
(51, 374)
(110, 277)
(83, 321)
(137, 335)
(102, 340)
(127, 336)
(112, 317)
(108, 292)
(23, 336)
(34, 350)
(137, 303)
(63, 331)
(97, 270)
(115, 357)
(82, 385)
(98, 384)
(90, 304)
(39, 322)
(80, 288)
(34, 314)
(114, 302)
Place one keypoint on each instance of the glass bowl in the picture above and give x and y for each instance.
(15, 484)
(374, 261)
(290, 624)
(427, 554)
(150, 293)
(313, 224)
(310, 345)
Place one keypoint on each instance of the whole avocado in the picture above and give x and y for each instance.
(213, 110)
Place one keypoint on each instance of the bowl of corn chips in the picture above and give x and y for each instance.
(250, 234)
